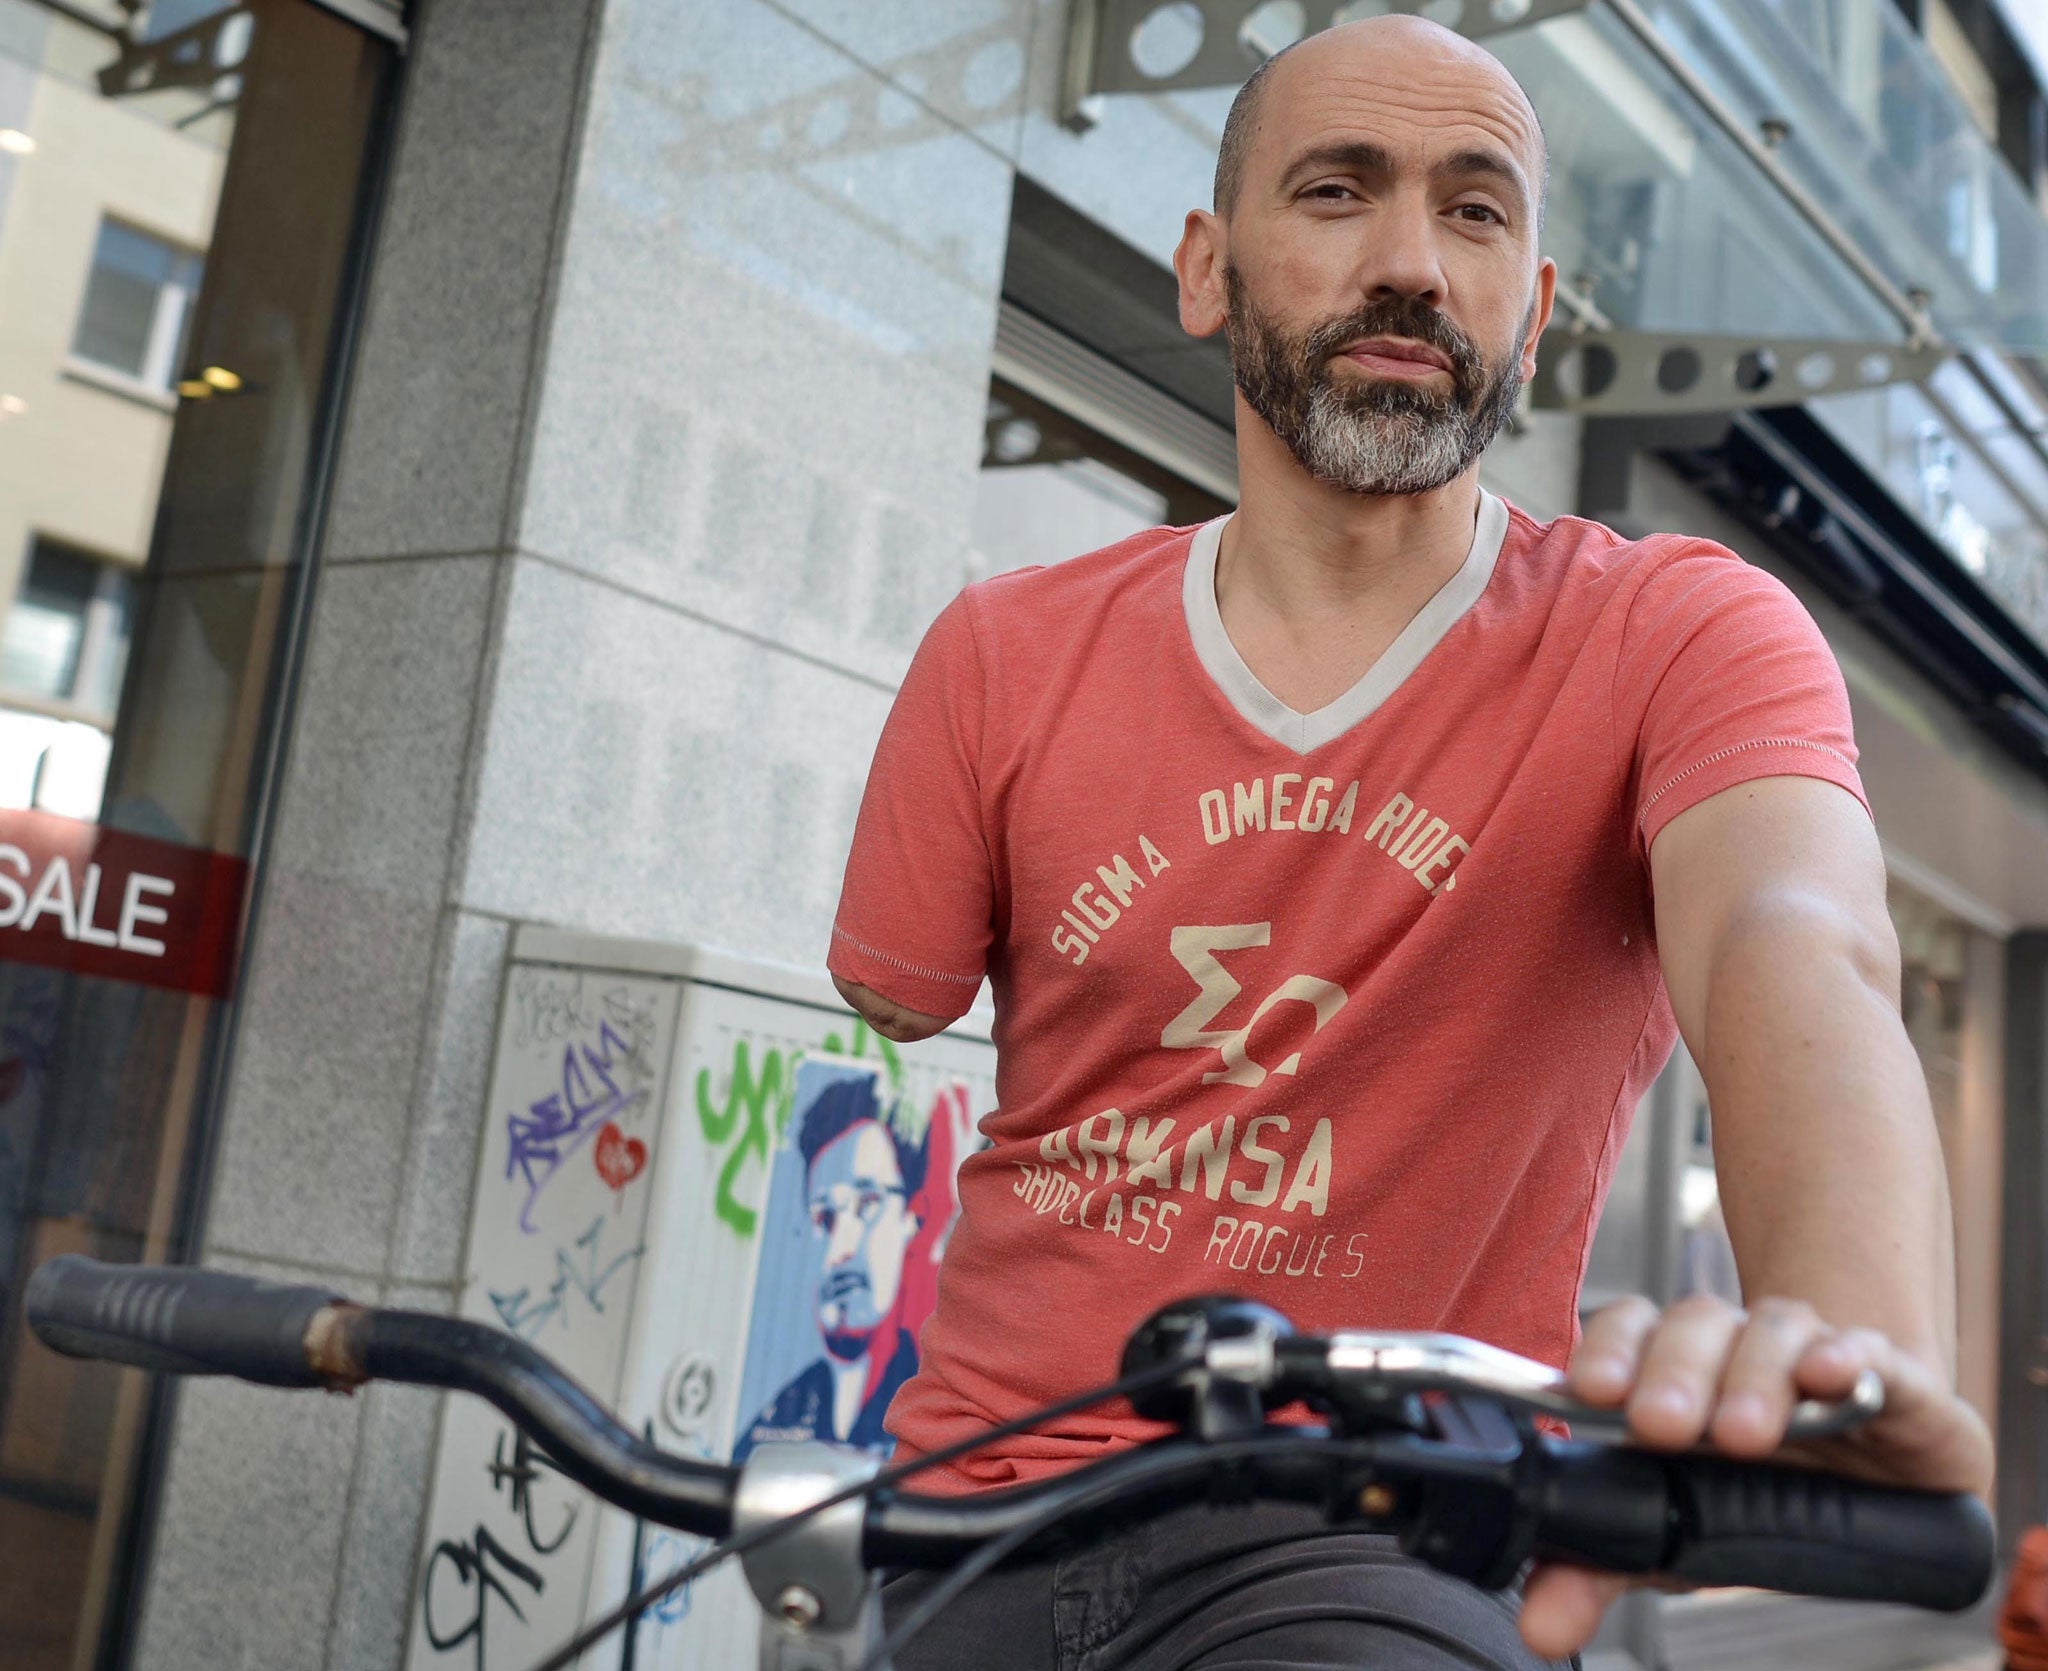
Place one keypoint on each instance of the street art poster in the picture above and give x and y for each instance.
(722, 1210)
(860, 1198)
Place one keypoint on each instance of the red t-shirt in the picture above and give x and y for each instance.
(1348, 1011)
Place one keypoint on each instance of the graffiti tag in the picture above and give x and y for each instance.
(560, 1123)
(583, 1272)
(481, 1565)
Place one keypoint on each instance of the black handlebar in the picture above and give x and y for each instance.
(1479, 1510)
(1766, 1527)
(180, 1321)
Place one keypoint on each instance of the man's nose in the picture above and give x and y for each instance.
(844, 1242)
(1401, 256)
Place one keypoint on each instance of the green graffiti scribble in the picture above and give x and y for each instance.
(757, 1108)
(757, 1101)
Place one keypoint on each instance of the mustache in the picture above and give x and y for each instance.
(1399, 316)
(842, 1283)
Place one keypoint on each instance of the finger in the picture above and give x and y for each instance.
(1759, 1386)
(1610, 1351)
(1683, 1361)
(1830, 1365)
(1925, 1435)
(1562, 1607)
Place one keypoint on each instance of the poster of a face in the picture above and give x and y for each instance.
(860, 1199)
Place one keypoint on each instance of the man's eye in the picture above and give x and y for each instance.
(1331, 191)
(1483, 212)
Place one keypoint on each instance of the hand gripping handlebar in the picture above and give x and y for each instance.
(1461, 1473)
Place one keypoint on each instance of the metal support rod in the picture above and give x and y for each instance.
(1911, 315)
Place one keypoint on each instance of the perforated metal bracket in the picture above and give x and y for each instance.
(1624, 374)
(1166, 46)
(821, 1609)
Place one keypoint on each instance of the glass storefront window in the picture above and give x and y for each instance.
(174, 269)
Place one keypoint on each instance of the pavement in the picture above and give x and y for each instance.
(1751, 1631)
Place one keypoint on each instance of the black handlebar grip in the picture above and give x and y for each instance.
(1603, 1506)
(1823, 1535)
(176, 1319)
(1711, 1520)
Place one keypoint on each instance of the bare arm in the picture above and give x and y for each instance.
(891, 1020)
(1783, 969)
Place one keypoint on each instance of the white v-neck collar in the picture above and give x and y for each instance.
(1303, 732)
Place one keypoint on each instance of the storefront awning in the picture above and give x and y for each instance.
(1725, 167)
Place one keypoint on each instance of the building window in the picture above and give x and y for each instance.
(65, 641)
(1967, 71)
(137, 303)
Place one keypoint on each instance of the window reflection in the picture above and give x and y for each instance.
(138, 302)
(155, 441)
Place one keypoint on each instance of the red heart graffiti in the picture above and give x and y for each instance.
(620, 1158)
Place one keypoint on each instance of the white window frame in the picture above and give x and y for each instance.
(158, 377)
(96, 641)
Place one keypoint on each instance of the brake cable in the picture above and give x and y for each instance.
(1125, 1386)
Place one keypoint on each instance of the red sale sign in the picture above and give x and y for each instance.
(104, 902)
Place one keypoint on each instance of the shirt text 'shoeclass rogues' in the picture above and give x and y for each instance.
(1348, 1011)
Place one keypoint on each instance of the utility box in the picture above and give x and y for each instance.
(718, 1201)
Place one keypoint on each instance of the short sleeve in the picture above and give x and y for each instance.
(915, 913)
(1723, 678)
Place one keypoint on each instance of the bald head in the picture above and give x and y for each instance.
(1414, 61)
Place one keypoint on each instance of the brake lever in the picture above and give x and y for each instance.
(1388, 1367)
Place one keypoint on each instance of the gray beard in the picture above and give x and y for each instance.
(1374, 438)
(1383, 452)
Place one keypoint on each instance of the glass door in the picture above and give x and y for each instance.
(182, 192)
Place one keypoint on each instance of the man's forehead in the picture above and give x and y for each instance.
(863, 1149)
(1400, 83)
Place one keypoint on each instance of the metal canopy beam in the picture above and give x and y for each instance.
(1611, 374)
(1166, 46)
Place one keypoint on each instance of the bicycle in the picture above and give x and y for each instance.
(1430, 1436)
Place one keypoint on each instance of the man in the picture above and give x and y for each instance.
(860, 1180)
(1343, 870)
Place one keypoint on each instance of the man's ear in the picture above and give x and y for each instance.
(1546, 300)
(1198, 264)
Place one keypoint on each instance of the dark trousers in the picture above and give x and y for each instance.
(1213, 1589)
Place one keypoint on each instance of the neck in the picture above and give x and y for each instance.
(1302, 550)
(1313, 583)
